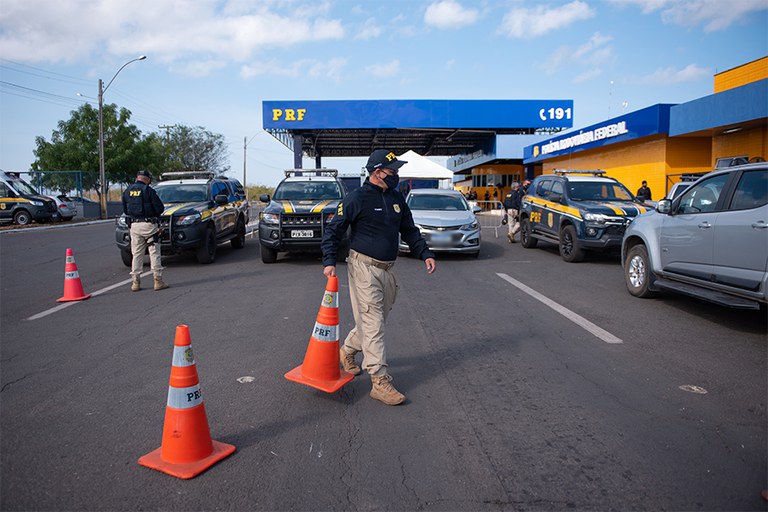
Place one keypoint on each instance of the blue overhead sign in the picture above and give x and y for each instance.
(643, 123)
(416, 114)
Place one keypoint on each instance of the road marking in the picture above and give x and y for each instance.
(94, 294)
(567, 313)
(693, 389)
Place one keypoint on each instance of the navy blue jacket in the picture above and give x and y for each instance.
(513, 199)
(141, 201)
(377, 217)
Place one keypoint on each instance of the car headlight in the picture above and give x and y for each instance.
(270, 218)
(186, 220)
(36, 203)
(121, 222)
(595, 217)
(470, 226)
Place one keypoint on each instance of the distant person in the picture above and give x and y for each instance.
(378, 216)
(524, 187)
(143, 209)
(644, 193)
(512, 207)
(487, 200)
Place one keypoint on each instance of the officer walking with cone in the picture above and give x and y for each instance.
(143, 209)
(377, 215)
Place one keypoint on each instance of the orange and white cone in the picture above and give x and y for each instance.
(73, 287)
(321, 362)
(187, 449)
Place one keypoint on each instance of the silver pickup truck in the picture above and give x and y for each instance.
(711, 242)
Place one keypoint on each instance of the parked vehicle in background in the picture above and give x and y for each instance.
(711, 242)
(446, 221)
(579, 211)
(295, 217)
(21, 204)
(686, 180)
(65, 206)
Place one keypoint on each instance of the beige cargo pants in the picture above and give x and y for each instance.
(372, 290)
(141, 232)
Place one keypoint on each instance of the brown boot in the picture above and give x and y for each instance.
(159, 284)
(348, 362)
(511, 238)
(384, 391)
(136, 284)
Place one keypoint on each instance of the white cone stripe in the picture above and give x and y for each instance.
(71, 275)
(184, 398)
(330, 300)
(325, 332)
(183, 356)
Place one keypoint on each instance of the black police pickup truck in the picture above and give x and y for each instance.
(201, 212)
(577, 210)
(21, 204)
(295, 217)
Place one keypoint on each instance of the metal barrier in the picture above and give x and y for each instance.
(490, 215)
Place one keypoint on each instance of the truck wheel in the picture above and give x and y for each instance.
(268, 255)
(239, 241)
(637, 272)
(206, 253)
(22, 218)
(127, 257)
(526, 239)
(570, 249)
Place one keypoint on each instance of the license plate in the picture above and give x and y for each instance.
(441, 239)
(301, 233)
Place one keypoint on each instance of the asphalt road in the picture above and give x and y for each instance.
(532, 384)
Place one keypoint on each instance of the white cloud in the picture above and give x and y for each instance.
(594, 54)
(369, 30)
(170, 32)
(672, 75)
(587, 75)
(712, 14)
(447, 14)
(386, 69)
(304, 67)
(521, 22)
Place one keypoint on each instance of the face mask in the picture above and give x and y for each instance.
(391, 181)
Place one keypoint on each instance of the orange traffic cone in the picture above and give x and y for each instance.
(187, 448)
(73, 287)
(321, 362)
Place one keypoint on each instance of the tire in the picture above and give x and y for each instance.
(206, 253)
(570, 248)
(268, 255)
(127, 258)
(22, 218)
(637, 272)
(526, 239)
(239, 241)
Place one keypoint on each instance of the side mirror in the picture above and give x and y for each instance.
(221, 199)
(476, 209)
(264, 198)
(664, 206)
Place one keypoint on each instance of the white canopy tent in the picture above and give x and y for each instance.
(422, 168)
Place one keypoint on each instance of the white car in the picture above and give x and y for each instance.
(65, 206)
(446, 221)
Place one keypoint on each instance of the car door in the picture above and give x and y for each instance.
(7, 202)
(538, 217)
(224, 214)
(687, 235)
(741, 234)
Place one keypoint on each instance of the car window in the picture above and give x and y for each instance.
(4, 190)
(218, 187)
(437, 202)
(751, 191)
(182, 193)
(703, 197)
(557, 188)
(544, 188)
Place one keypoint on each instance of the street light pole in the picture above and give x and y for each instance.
(102, 173)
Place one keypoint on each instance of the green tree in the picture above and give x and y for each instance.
(197, 149)
(74, 146)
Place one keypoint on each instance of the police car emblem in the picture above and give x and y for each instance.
(396, 208)
(550, 219)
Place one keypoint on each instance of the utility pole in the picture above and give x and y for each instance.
(245, 149)
(167, 128)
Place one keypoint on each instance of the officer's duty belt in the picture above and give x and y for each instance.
(384, 265)
(153, 220)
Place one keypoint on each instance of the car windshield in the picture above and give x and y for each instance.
(307, 190)
(437, 202)
(597, 191)
(183, 193)
(23, 187)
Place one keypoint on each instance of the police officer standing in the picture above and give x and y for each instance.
(377, 215)
(512, 207)
(143, 208)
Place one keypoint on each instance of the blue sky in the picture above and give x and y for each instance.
(211, 63)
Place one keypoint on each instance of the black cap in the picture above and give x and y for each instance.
(145, 174)
(383, 159)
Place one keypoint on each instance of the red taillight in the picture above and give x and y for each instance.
(62, 206)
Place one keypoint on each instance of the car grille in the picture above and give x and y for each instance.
(301, 220)
(615, 230)
(441, 228)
